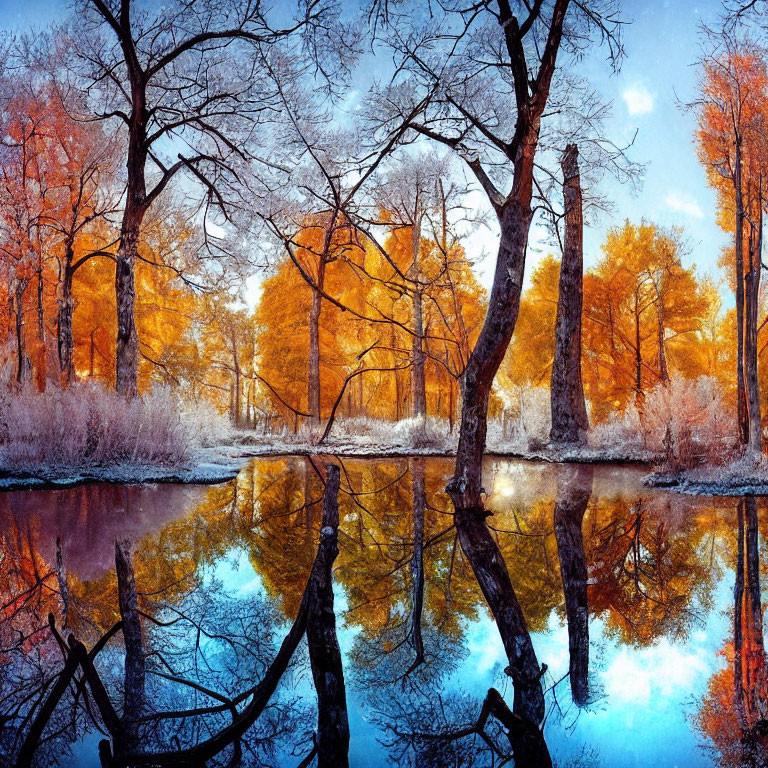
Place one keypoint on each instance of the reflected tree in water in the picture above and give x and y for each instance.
(734, 713)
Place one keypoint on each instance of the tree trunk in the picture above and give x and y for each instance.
(661, 339)
(127, 347)
(64, 335)
(750, 343)
(134, 645)
(638, 350)
(42, 373)
(465, 488)
(417, 561)
(21, 353)
(237, 385)
(313, 369)
(61, 580)
(743, 425)
(569, 409)
(324, 654)
(574, 488)
(418, 380)
(418, 383)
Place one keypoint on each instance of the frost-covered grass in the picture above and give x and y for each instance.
(363, 436)
(87, 428)
(372, 437)
(742, 476)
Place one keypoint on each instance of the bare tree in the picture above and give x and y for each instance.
(189, 83)
(480, 77)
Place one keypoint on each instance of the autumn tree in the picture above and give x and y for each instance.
(730, 137)
(642, 308)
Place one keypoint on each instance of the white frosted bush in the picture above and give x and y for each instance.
(619, 435)
(431, 432)
(87, 426)
(686, 422)
(527, 419)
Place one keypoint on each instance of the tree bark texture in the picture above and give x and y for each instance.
(743, 425)
(135, 670)
(324, 654)
(574, 488)
(65, 341)
(419, 494)
(752, 383)
(569, 409)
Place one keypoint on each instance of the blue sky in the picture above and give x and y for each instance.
(662, 46)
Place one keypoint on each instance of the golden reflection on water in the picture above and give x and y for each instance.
(653, 562)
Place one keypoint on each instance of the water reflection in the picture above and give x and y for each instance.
(184, 599)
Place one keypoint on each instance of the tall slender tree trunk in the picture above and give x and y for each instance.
(42, 373)
(136, 203)
(750, 342)
(135, 672)
(127, 346)
(418, 381)
(65, 341)
(660, 337)
(21, 352)
(419, 494)
(743, 425)
(237, 385)
(574, 488)
(569, 409)
(324, 652)
(313, 370)
(638, 350)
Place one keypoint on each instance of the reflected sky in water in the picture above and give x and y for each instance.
(233, 559)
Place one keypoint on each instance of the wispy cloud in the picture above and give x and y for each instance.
(683, 203)
(639, 100)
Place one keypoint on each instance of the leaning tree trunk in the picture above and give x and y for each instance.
(514, 215)
(574, 488)
(65, 340)
(569, 409)
(465, 489)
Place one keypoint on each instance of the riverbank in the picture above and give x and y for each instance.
(221, 463)
(745, 476)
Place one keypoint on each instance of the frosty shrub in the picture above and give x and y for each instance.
(619, 435)
(685, 422)
(87, 426)
(431, 433)
(526, 421)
